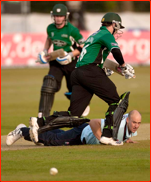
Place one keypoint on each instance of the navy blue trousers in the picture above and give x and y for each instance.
(58, 137)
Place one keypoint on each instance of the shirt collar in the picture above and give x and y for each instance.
(104, 28)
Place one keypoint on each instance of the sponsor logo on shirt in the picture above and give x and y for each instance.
(59, 43)
(64, 35)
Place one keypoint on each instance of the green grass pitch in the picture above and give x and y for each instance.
(20, 93)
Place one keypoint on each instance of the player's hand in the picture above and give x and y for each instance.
(130, 72)
(47, 56)
(130, 141)
(42, 59)
(127, 71)
(45, 52)
(66, 59)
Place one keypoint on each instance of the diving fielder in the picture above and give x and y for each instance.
(83, 134)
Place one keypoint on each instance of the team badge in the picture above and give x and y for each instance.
(52, 34)
(58, 10)
(103, 19)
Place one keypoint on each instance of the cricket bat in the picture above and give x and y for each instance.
(53, 55)
(112, 65)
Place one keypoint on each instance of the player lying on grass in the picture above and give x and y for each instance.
(86, 133)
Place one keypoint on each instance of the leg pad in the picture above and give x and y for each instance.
(118, 113)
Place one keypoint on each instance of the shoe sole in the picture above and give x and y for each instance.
(10, 135)
(33, 134)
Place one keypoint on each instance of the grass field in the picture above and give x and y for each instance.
(82, 163)
(20, 92)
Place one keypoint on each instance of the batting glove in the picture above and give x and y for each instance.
(127, 71)
(41, 57)
(130, 73)
(66, 59)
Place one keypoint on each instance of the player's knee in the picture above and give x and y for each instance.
(50, 85)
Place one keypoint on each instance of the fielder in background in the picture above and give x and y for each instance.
(62, 35)
(89, 78)
(83, 134)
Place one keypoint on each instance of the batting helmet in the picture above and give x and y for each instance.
(59, 10)
(113, 18)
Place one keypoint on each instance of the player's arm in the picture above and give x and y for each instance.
(109, 42)
(77, 51)
(80, 41)
(125, 69)
(43, 56)
(47, 45)
(95, 125)
(116, 52)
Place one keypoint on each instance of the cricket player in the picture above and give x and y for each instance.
(89, 78)
(128, 128)
(60, 34)
(86, 133)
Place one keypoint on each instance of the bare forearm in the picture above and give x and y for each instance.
(95, 125)
(47, 44)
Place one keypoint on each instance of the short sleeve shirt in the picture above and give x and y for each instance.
(65, 37)
(97, 47)
(91, 139)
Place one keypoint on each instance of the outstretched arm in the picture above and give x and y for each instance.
(95, 125)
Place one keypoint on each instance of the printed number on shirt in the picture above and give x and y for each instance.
(84, 51)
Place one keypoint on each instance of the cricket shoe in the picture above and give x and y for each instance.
(110, 141)
(86, 111)
(14, 135)
(33, 132)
